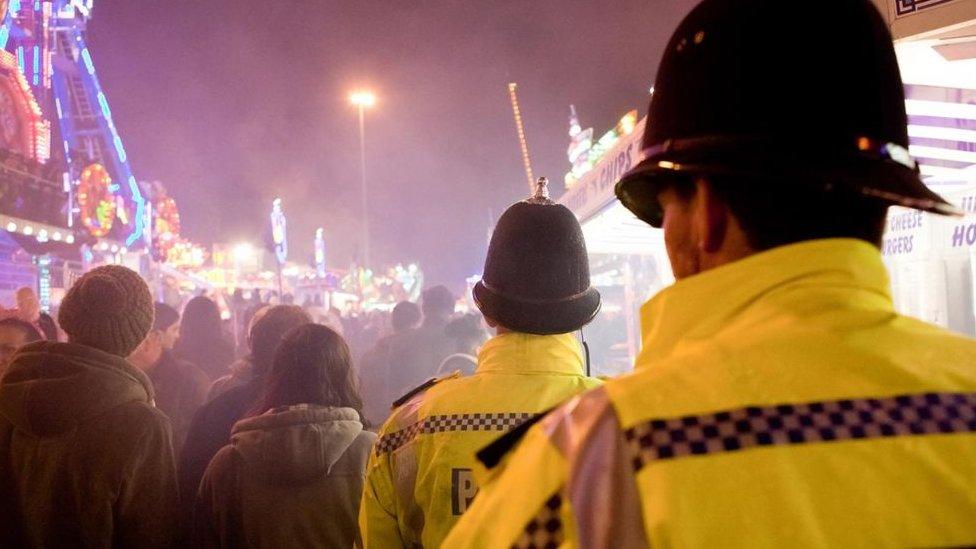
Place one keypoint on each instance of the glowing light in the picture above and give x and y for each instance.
(140, 211)
(363, 98)
(11, 226)
(56, 236)
(666, 164)
(949, 134)
(14, 7)
(86, 57)
(70, 239)
(628, 122)
(37, 65)
(103, 103)
(941, 109)
(28, 230)
(42, 235)
(103, 246)
(115, 248)
(244, 252)
(523, 144)
(4, 35)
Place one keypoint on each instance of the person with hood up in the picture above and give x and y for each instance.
(86, 458)
(292, 475)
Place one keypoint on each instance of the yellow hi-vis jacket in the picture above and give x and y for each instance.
(779, 401)
(419, 478)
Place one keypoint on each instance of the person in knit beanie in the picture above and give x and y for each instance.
(109, 308)
(88, 458)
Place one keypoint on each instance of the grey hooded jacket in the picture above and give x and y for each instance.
(291, 477)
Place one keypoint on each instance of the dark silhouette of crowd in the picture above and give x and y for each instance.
(160, 433)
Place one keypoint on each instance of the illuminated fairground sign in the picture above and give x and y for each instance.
(23, 129)
(279, 232)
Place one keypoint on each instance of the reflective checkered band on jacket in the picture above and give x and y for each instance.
(731, 431)
(545, 530)
(451, 422)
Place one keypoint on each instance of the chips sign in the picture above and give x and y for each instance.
(594, 190)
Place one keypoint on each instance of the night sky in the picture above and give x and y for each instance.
(231, 103)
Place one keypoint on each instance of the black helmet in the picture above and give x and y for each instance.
(537, 277)
(764, 89)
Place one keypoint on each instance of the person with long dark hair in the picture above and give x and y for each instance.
(202, 340)
(293, 473)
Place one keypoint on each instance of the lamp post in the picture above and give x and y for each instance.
(363, 99)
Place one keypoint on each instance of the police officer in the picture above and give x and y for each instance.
(535, 292)
(779, 399)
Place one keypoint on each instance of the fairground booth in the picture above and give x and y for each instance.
(931, 260)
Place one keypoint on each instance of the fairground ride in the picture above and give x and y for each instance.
(48, 38)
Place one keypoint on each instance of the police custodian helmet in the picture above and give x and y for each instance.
(794, 93)
(537, 276)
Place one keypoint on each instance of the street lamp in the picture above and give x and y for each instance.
(363, 99)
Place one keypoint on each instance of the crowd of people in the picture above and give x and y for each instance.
(779, 399)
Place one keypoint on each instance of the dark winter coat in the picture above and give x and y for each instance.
(48, 327)
(209, 432)
(85, 456)
(180, 388)
(292, 477)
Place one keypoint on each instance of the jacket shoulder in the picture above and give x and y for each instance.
(423, 387)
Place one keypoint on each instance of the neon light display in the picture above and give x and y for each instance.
(320, 252)
(279, 231)
(61, 68)
(166, 226)
(583, 153)
(96, 201)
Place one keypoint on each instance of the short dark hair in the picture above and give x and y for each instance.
(775, 213)
(405, 315)
(437, 301)
(312, 366)
(165, 317)
(30, 332)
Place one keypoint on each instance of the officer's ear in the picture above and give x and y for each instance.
(710, 216)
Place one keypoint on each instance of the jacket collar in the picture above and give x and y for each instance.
(516, 352)
(699, 306)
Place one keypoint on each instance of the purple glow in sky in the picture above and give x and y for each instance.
(232, 103)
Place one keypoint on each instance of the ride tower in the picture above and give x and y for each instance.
(48, 39)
